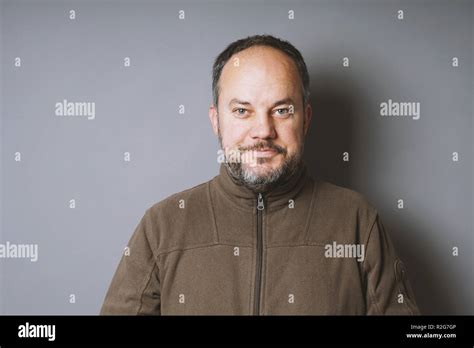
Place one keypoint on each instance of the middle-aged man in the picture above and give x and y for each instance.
(263, 236)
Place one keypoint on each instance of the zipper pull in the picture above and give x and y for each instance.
(260, 205)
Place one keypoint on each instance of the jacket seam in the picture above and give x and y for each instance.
(201, 246)
(148, 226)
(148, 280)
(307, 244)
(309, 218)
(212, 213)
(372, 296)
(402, 289)
(234, 242)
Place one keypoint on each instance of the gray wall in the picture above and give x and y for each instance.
(67, 158)
(2, 282)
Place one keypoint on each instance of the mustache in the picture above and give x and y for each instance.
(264, 145)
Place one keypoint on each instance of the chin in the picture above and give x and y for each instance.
(263, 168)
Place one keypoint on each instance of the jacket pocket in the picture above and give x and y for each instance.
(405, 288)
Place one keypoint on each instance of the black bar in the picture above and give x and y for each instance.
(136, 330)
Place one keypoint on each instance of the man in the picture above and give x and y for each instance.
(262, 237)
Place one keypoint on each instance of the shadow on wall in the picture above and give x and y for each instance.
(335, 103)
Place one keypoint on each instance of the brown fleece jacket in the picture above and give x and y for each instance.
(306, 247)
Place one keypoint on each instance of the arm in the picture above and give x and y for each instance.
(388, 290)
(135, 287)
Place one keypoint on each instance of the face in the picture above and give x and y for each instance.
(260, 119)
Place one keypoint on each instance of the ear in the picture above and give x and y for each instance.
(213, 118)
(308, 115)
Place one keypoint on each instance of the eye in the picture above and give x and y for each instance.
(240, 111)
(282, 112)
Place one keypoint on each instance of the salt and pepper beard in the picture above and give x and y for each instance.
(263, 183)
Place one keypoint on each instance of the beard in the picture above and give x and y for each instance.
(244, 175)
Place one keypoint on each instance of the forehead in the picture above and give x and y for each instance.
(258, 69)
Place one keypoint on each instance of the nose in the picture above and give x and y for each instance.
(263, 127)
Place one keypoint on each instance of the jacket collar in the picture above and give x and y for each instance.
(247, 199)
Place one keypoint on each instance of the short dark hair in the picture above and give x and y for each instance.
(260, 40)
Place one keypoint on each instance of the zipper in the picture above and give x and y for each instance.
(258, 272)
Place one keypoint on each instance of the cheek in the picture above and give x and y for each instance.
(233, 133)
(290, 136)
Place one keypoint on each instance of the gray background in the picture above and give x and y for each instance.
(137, 111)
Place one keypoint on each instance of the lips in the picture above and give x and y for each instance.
(265, 153)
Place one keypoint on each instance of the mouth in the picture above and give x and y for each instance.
(266, 152)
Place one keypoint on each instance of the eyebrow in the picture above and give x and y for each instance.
(279, 102)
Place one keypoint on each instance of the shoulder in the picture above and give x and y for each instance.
(339, 196)
(341, 212)
(181, 219)
(181, 200)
